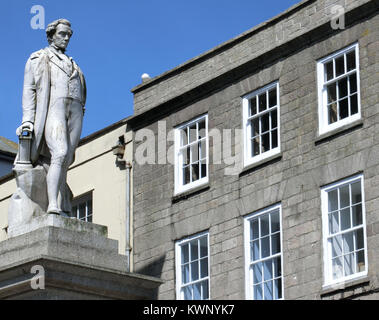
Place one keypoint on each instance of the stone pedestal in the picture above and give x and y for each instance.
(77, 259)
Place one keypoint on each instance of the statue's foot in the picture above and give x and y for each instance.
(53, 210)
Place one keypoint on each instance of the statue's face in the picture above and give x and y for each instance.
(62, 36)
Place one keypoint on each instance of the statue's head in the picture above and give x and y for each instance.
(59, 33)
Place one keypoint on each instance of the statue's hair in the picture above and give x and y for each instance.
(52, 27)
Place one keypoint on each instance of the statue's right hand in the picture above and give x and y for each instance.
(26, 126)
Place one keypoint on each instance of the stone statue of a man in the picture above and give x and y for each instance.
(53, 102)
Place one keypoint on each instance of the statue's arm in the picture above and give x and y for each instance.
(29, 94)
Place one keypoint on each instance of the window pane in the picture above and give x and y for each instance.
(332, 200)
(204, 267)
(265, 242)
(277, 267)
(195, 152)
(203, 149)
(336, 246)
(82, 210)
(333, 222)
(254, 229)
(268, 290)
(205, 289)
(274, 137)
(202, 132)
(265, 142)
(278, 289)
(356, 196)
(89, 207)
(192, 133)
(344, 197)
(350, 63)
(253, 106)
(185, 273)
(345, 219)
(275, 224)
(255, 146)
(353, 83)
(194, 250)
(197, 291)
(187, 293)
(258, 292)
(360, 259)
(265, 225)
(267, 270)
(257, 273)
(340, 66)
(194, 271)
(348, 243)
(186, 175)
(255, 127)
(183, 137)
(329, 70)
(275, 243)
(332, 112)
(203, 247)
(185, 253)
(255, 250)
(344, 108)
(342, 88)
(354, 104)
(203, 168)
(359, 243)
(262, 102)
(348, 264)
(272, 97)
(331, 92)
(195, 172)
(357, 215)
(265, 122)
(274, 119)
(337, 268)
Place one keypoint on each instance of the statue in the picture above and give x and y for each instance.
(53, 100)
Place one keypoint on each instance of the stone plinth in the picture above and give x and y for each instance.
(79, 262)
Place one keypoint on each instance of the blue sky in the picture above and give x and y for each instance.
(115, 42)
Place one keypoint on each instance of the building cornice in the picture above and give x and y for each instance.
(288, 48)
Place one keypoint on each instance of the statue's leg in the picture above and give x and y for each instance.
(56, 138)
(74, 126)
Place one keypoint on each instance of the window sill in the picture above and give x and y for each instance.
(256, 165)
(339, 131)
(191, 192)
(334, 289)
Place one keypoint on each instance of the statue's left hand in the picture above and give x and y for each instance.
(26, 126)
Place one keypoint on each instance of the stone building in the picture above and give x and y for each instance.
(287, 208)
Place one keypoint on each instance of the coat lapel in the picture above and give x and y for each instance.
(57, 60)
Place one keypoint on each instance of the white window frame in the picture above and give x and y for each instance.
(248, 158)
(327, 255)
(249, 289)
(84, 198)
(179, 187)
(324, 127)
(178, 259)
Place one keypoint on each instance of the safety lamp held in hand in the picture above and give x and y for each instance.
(25, 141)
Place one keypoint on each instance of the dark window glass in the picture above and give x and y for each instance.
(329, 70)
(340, 66)
(344, 108)
(272, 97)
(342, 88)
(262, 102)
(253, 106)
(350, 63)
